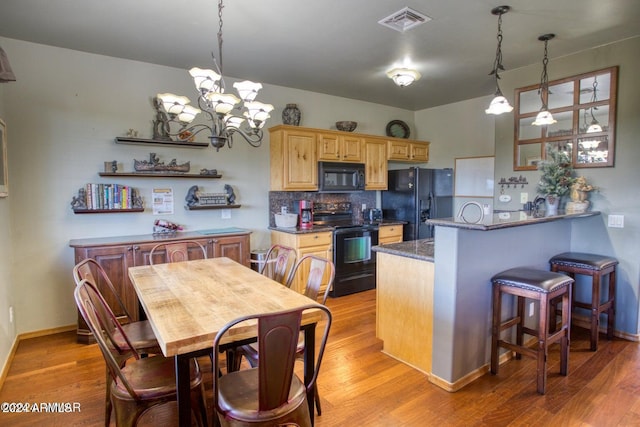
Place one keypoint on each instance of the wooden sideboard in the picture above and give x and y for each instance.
(117, 254)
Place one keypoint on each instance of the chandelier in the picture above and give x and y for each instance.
(544, 117)
(225, 112)
(499, 104)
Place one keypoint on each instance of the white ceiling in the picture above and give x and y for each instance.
(335, 47)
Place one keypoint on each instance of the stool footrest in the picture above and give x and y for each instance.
(530, 352)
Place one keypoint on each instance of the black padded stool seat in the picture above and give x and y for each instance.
(543, 286)
(596, 266)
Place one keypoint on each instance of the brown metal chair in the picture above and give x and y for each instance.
(270, 394)
(315, 268)
(142, 382)
(139, 333)
(176, 251)
(279, 263)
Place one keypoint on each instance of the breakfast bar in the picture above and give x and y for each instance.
(447, 288)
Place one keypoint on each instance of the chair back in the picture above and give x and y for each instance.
(277, 335)
(104, 325)
(320, 273)
(176, 251)
(279, 263)
(89, 269)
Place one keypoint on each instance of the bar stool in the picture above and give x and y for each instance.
(596, 266)
(542, 286)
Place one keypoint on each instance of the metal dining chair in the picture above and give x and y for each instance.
(139, 333)
(315, 269)
(176, 251)
(279, 263)
(271, 394)
(141, 383)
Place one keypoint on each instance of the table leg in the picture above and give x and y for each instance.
(183, 390)
(309, 365)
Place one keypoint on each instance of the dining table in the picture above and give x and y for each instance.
(188, 302)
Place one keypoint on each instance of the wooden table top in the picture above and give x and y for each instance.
(188, 302)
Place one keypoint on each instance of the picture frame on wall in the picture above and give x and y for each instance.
(4, 172)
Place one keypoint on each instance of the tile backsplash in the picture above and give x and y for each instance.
(278, 199)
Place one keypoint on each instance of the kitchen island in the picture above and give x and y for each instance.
(434, 308)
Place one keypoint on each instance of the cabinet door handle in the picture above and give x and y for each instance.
(130, 248)
(136, 248)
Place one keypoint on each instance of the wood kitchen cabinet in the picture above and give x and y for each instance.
(295, 153)
(375, 163)
(336, 147)
(407, 151)
(117, 254)
(319, 244)
(390, 234)
(294, 165)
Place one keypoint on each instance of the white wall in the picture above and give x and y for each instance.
(63, 113)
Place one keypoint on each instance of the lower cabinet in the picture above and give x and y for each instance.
(320, 244)
(390, 234)
(117, 254)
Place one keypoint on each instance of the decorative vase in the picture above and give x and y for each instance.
(551, 203)
(291, 115)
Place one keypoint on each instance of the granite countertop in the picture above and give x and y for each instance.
(418, 249)
(506, 219)
(321, 228)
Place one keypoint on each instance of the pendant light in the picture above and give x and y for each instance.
(499, 104)
(594, 126)
(544, 117)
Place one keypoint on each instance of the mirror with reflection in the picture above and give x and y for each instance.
(584, 107)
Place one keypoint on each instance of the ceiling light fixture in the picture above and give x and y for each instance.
(499, 104)
(403, 76)
(594, 126)
(544, 117)
(221, 108)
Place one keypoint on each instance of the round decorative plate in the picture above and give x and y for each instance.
(398, 129)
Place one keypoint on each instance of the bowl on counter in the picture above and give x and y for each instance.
(346, 126)
(287, 220)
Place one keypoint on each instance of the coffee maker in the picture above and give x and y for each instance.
(305, 209)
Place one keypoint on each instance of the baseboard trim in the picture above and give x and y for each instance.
(469, 378)
(27, 335)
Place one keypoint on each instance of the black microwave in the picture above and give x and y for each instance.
(334, 177)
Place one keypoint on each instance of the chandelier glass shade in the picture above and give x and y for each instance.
(544, 117)
(594, 126)
(403, 76)
(225, 112)
(499, 104)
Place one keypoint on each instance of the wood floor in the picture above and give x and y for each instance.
(360, 386)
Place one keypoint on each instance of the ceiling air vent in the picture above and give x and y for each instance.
(404, 20)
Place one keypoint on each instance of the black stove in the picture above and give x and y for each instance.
(353, 258)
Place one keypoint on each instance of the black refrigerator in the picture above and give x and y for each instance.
(418, 194)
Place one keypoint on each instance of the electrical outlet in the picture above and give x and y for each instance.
(524, 197)
(225, 214)
(364, 206)
(615, 221)
(284, 210)
(11, 314)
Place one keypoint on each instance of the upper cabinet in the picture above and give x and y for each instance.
(407, 151)
(333, 147)
(294, 166)
(585, 109)
(295, 153)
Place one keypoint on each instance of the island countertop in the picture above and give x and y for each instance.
(417, 249)
(506, 219)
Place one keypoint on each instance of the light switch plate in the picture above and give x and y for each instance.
(524, 197)
(225, 214)
(615, 221)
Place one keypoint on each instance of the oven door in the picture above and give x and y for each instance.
(354, 260)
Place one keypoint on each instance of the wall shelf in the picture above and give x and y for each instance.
(143, 141)
(97, 211)
(204, 207)
(158, 175)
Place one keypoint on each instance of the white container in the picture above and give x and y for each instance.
(287, 220)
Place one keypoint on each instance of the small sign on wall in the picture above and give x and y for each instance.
(162, 201)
